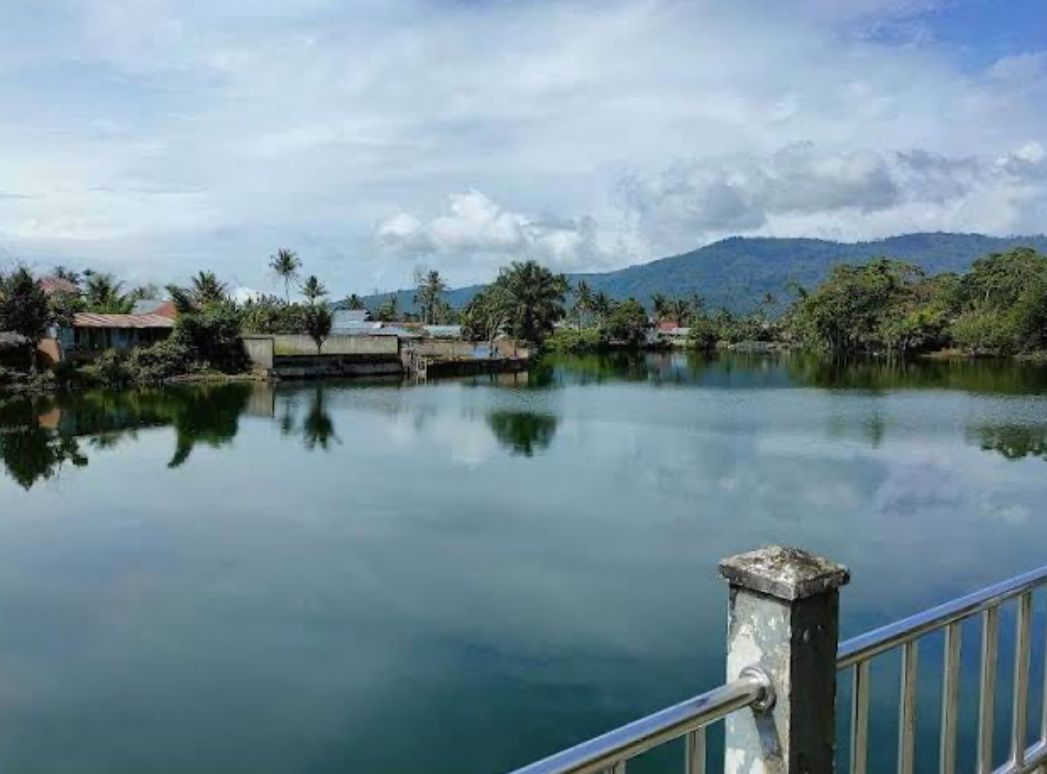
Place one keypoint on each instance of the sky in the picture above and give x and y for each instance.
(153, 138)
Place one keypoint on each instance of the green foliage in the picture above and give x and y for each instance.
(313, 289)
(354, 302)
(285, 265)
(104, 295)
(24, 307)
(212, 337)
(626, 323)
(208, 289)
(388, 311)
(272, 315)
(318, 323)
(576, 340)
(430, 287)
(531, 298)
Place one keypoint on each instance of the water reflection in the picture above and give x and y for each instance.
(522, 432)
(38, 436)
(1013, 441)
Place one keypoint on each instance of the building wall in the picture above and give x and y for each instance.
(337, 345)
(259, 350)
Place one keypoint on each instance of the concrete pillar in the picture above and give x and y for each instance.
(784, 618)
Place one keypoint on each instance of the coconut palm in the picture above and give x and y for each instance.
(207, 288)
(354, 302)
(658, 304)
(534, 298)
(602, 305)
(583, 304)
(430, 286)
(285, 265)
(103, 294)
(313, 289)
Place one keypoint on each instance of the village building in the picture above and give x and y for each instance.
(91, 333)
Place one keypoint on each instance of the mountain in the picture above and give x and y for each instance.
(737, 272)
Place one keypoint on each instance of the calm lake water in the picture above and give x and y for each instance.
(464, 576)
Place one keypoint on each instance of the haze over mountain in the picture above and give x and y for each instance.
(737, 272)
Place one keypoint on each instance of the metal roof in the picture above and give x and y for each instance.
(91, 320)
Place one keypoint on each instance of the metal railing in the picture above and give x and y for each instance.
(857, 653)
(610, 752)
(783, 604)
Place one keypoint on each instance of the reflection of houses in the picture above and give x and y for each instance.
(98, 332)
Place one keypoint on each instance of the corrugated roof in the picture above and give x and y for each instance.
(92, 320)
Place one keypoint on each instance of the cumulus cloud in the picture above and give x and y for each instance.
(477, 229)
(802, 189)
(148, 136)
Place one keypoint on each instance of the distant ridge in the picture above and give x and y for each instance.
(737, 272)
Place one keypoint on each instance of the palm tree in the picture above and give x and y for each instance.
(534, 298)
(602, 305)
(103, 294)
(658, 303)
(354, 302)
(313, 289)
(285, 265)
(583, 304)
(430, 285)
(207, 288)
(61, 272)
(679, 310)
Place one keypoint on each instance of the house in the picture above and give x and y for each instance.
(98, 332)
(443, 331)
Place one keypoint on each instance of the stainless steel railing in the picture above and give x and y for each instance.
(857, 653)
(609, 752)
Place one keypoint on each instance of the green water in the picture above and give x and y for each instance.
(464, 576)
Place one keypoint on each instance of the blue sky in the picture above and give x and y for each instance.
(154, 137)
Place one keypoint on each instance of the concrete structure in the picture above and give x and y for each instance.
(783, 614)
(295, 357)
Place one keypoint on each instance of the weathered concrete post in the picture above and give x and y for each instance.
(784, 618)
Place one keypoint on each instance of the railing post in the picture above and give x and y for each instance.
(784, 618)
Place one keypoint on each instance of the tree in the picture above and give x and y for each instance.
(583, 305)
(285, 265)
(658, 304)
(430, 286)
(318, 321)
(354, 302)
(208, 289)
(24, 309)
(486, 315)
(601, 305)
(387, 311)
(61, 272)
(534, 299)
(313, 289)
(627, 323)
(103, 294)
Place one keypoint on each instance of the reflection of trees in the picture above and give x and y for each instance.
(31, 451)
(522, 432)
(1013, 441)
(317, 426)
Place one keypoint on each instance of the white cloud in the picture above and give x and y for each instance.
(856, 194)
(153, 137)
(479, 231)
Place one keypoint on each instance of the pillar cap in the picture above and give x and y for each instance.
(787, 573)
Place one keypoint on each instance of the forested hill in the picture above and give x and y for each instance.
(736, 273)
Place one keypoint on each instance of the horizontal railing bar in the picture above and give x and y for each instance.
(663, 726)
(1035, 756)
(885, 638)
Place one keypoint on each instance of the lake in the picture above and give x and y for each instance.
(467, 575)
